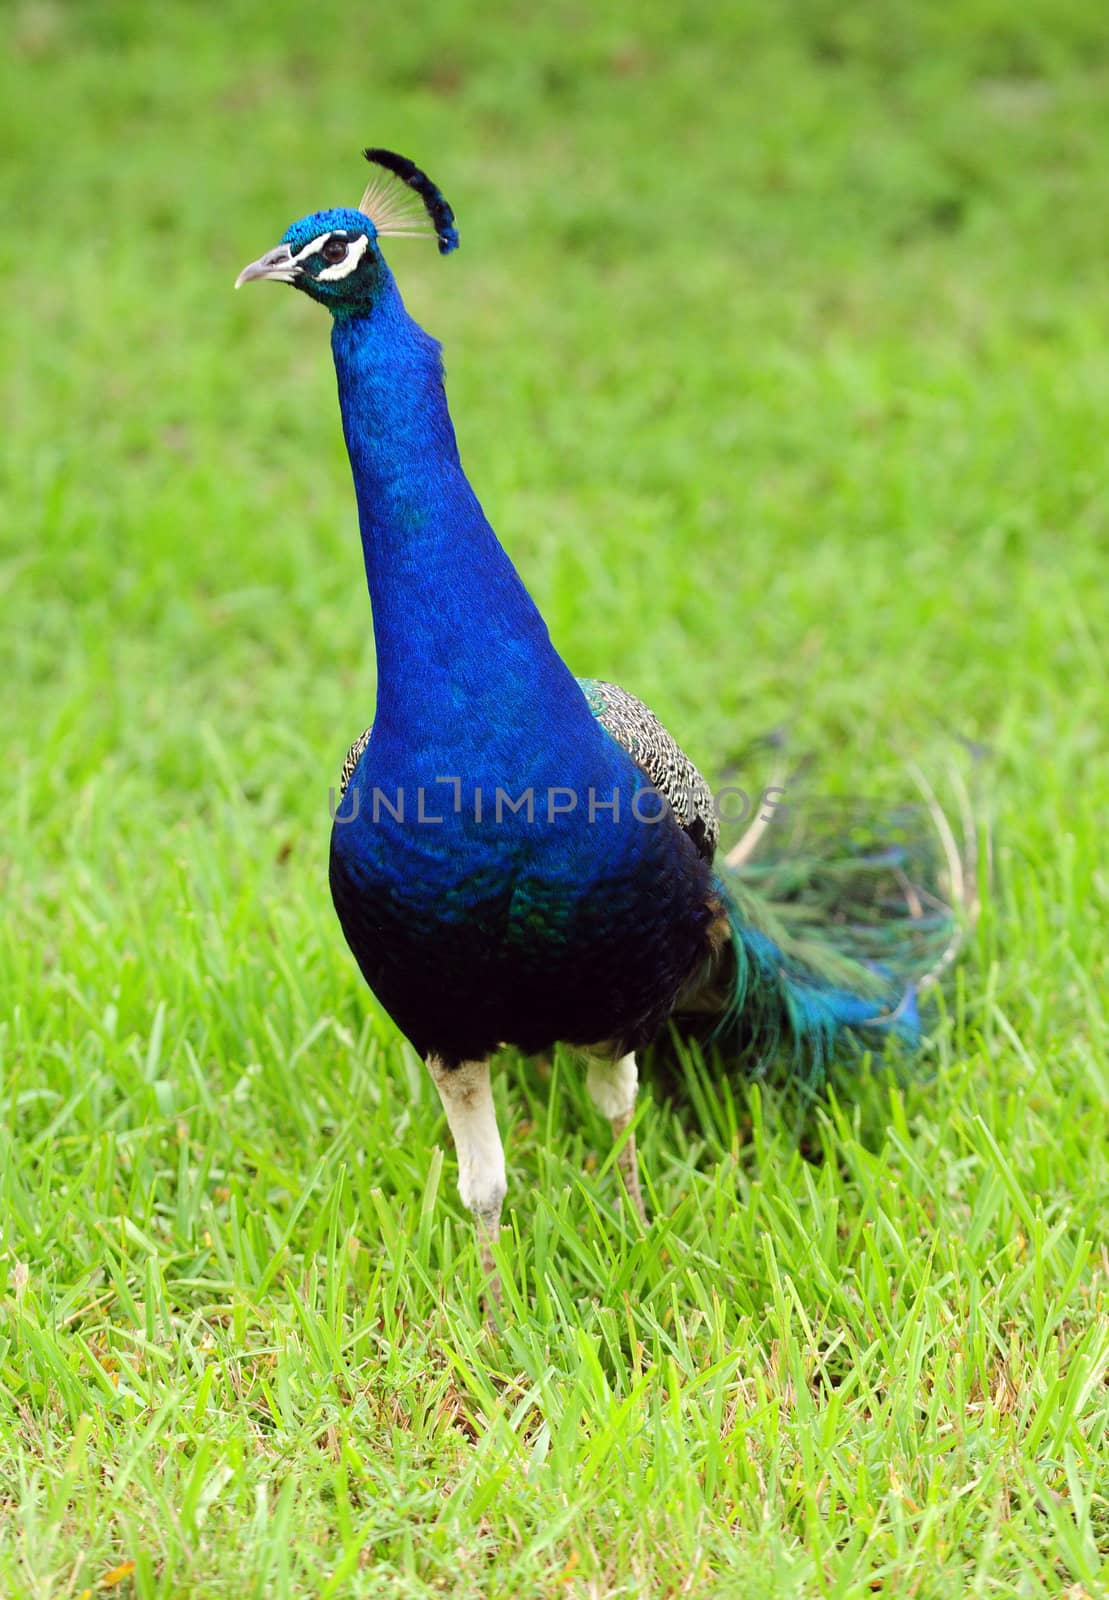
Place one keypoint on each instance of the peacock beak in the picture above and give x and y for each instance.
(276, 263)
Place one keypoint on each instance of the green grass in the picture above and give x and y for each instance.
(777, 347)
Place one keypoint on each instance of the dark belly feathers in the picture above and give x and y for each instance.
(467, 965)
(482, 945)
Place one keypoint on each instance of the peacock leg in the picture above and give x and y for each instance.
(612, 1086)
(468, 1102)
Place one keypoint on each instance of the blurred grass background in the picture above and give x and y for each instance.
(777, 350)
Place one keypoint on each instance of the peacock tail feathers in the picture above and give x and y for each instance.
(841, 916)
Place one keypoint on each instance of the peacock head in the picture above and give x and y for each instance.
(334, 256)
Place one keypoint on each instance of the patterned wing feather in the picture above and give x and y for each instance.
(659, 756)
(354, 755)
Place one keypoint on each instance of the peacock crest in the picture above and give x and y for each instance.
(402, 202)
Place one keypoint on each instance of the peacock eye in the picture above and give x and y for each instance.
(334, 251)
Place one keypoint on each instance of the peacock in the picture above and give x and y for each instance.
(520, 856)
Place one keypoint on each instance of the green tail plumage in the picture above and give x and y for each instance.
(838, 922)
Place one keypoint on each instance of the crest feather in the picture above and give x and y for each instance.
(402, 202)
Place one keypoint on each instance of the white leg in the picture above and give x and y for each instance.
(612, 1088)
(468, 1101)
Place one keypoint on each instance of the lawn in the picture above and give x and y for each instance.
(777, 347)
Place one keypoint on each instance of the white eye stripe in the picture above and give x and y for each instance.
(311, 248)
(341, 269)
(344, 268)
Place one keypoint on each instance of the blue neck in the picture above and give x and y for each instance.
(457, 635)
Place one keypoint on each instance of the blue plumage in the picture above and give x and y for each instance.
(499, 864)
(472, 699)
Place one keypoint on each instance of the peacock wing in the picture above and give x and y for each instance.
(658, 755)
(353, 756)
